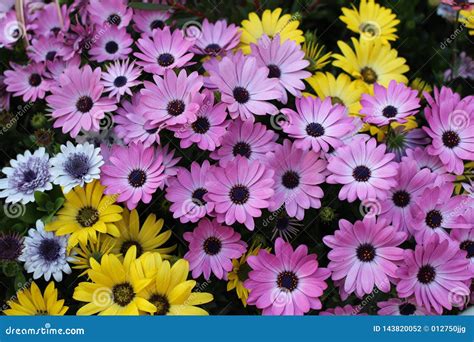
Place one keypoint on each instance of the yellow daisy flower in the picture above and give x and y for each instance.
(371, 61)
(85, 213)
(31, 302)
(466, 178)
(315, 53)
(239, 274)
(341, 90)
(170, 291)
(381, 132)
(371, 21)
(421, 85)
(467, 18)
(271, 24)
(114, 288)
(95, 250)
(145, 239)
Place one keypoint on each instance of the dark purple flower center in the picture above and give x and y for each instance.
(120, 81)
(129, 243)
(426, 274)
(114, 19)
(407, 309)
(361, 173)
(123, 294)
(49, 249)
(198, 196)
(434, 218)
(282, 223)
(155, 24)
(84, 104)
(29, 176)
(212, 245)
(161, 302)
(10, 247)
(401, 198)
(50, 55)
(239, 194)
(287, 281)
(368, 75)
(137, 178)
(274, 71)
(176, 107)
(451, 139)
(77, 166)
(201, 125)
(242, 149)
(365, 252)
(34, 80)
(468, 246)
(315, 129)
(389, 111)
(111, 47)
(213, 49)
(87, 216)
(290, 179)
(165, 60)
(241, 95)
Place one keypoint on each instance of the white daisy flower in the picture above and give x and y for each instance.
(45, 254)
(28, 173)
(76, 165)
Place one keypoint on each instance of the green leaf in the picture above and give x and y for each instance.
(41, 198)
(149, 6)
(58, 203)
(20, 281)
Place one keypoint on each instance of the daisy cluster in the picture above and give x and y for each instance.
(295, 187)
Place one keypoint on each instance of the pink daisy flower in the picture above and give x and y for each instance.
(208, 128)
(46, 21)
(347, 310)
(245, 87)
(401, 307)
(10, 29)
(132, 126)
(317, 125)
(134, 173)
(113, 45)
(432, 272)
(110, 12)
(411, 182)
(239, 191)
(365, 254)
(285, 62)
(288, 282)
(390, 104)
(212, 247)
(120, 77)
(216, 38)
(57, 67)
(465, 240)
(297, 175)
(147, 21)
(172, 99)
(435, 210)
(451, 126)
(424, 160)
(48, 49)
(164, 51)
(169, 162)
(76, 101)
(247, 139)
(27, 81)
(186, 193)
(364, 169)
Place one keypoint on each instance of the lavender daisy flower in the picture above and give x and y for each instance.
(45, 254)
(120, 77)
(110, 12)
(111, 46)
(28, 173)
(216, 38)
(28, 81)
(147, 21)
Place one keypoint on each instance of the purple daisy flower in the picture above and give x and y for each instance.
(465, 240)
(48, 49)
(212, 247)
(246, 87)
(169, 162)
(451, 126)
(186, 193)
(115, 44)
(76, 101)
(432, 271)
(288, 282)
(46, 21)
(411, 182)
(208, 128)
(364, 169)
(28, 81)
(11, 245)
(10, 29)
(390, 104)
(172, 99)
(57, 67)
(120, 77)
(346, 310)
(239, 191)
(365, 254)
(285, 62)
(401, 140)
(297, 175)
(164, 51)
(216, 38)
(317, 125)
(133, 172)
(147, 21)
(110, 12)
(247, 139)
(401, 307)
